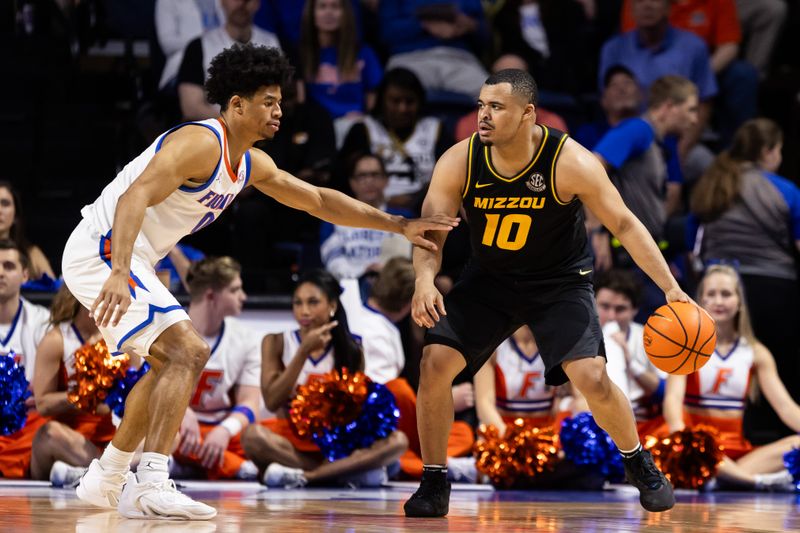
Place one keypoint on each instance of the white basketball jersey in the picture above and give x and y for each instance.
(185, 211)
(519, 380)
(20, 338)
(723, 382)
(235, 360)
(409, 164)
(312, 368)
(384, 358)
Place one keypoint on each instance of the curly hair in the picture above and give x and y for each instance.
(244, 68)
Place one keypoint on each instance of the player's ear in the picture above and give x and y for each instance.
(210, 294)
(530, 111)
(236, 103)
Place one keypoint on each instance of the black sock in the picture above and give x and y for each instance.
(434, 472)
(633, 453)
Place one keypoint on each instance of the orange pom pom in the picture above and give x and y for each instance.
(330, 401)
(521, 453)
(95, 372)
(688, 458)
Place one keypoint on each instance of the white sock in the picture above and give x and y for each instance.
(116, 461)
(153, 467)
(630, 453)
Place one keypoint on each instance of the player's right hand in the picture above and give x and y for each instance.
(113, 300)
(427, 305)
(317, 338)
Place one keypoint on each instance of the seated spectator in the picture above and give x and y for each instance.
(293, 358)
(437, 42)
(178, 22)
(552, 36)
(617, 294)
(339, 73)
(408, 143)
(197, 57)
(468, 124)
(227, 396)
(750, 217)
(716, 394)
(65, 446)
(655, 49)
(12, 227)
(761, 22)
(716, 22)
(351, 252)
(22, 328)
(621, 99)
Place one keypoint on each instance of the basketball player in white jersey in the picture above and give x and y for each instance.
(22, 326)
(72, 438)
(177, 186)
(716, 394)
(212, 423)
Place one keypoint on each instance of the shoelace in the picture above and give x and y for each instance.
(649, 473)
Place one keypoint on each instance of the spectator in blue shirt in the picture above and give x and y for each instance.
(641, 157)
(437, 42)
(621, 99)
(339, 73)
(656, 49)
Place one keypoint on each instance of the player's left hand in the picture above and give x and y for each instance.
(213, 447)
(414, 230)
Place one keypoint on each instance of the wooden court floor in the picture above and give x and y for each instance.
(247, 507)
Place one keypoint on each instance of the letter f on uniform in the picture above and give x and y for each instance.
(722, 377)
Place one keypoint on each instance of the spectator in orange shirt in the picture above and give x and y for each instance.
(717, 23)
(468, 124)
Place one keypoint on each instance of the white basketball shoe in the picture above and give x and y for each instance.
(100, 488)
(160, 500)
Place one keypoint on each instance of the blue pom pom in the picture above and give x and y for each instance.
(377, 420)
(122, 386)
(13, 393)
(791, 460)
(587, 445)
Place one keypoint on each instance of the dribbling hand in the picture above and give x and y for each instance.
(427, 306)
(415, 229)
(113, 300)
(677, 295)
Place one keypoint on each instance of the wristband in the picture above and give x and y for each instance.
(233, 425)
(246, 411)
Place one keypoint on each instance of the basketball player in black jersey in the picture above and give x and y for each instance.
(523, 187)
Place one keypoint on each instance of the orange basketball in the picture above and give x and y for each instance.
(679, 337)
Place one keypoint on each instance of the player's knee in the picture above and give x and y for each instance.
(592, 380)
(195, 354)
(440, 366)
(254, 439)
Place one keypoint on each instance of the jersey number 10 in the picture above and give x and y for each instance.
(503, 235)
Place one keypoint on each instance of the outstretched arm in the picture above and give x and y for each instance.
(189, 153)
(443, 199)
(580, 174)
(337, 208)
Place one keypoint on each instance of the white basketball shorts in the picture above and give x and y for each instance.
(86, 266)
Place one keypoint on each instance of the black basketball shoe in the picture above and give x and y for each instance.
(431, 499)
(655, 490)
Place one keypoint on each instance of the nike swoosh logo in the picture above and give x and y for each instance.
(482, 185)
(584, 272)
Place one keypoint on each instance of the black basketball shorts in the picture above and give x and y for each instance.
(484, 309)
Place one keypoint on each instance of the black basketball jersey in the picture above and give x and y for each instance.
(517, 224)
